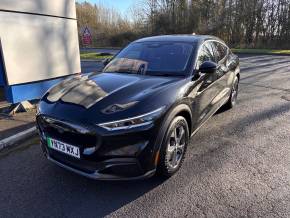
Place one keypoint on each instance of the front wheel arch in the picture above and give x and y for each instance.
(173, 148)
(179, 110)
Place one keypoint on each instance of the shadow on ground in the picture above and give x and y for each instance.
(43, 188)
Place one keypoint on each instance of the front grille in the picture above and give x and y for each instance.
(66, 132)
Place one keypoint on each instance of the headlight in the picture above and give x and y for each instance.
(142, 120)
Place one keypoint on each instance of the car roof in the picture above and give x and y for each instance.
(178, 38)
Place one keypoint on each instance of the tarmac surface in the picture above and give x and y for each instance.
(238, 165)
(10, 125)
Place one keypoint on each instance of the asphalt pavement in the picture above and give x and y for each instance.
(238, 165)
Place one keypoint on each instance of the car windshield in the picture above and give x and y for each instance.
(152, 58)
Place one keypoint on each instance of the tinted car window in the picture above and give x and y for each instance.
(206, 54)
(152, 58)
(221, 51)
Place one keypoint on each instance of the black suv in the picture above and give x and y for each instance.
(136, 117)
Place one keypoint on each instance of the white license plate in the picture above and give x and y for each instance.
(63, 147)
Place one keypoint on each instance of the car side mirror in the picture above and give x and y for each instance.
(106, 61)
(208, 67)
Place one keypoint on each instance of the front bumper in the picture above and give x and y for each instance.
(122, 155)
(100, 176)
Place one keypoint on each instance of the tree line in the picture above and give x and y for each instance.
(241, 23)
(106, 25)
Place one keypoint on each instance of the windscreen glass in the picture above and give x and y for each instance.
(152, 58)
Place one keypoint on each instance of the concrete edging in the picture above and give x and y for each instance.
(4, 143)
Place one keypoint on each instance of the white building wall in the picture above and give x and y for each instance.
(38, 46)
(61, 8)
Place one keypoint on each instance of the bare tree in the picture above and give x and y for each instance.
(241, 23)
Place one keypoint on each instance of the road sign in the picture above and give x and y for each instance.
(87, 36)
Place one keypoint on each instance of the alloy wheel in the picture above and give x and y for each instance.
(176, 144)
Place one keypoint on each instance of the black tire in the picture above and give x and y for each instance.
(234, 95)
(171, 150)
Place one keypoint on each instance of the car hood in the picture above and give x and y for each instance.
(106, 89)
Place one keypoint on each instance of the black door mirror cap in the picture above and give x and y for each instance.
(208, 67)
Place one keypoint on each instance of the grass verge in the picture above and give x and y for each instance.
(260, 51)
(94, 56)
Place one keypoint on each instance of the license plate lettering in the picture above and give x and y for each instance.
(63, 147)
(68, 149)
